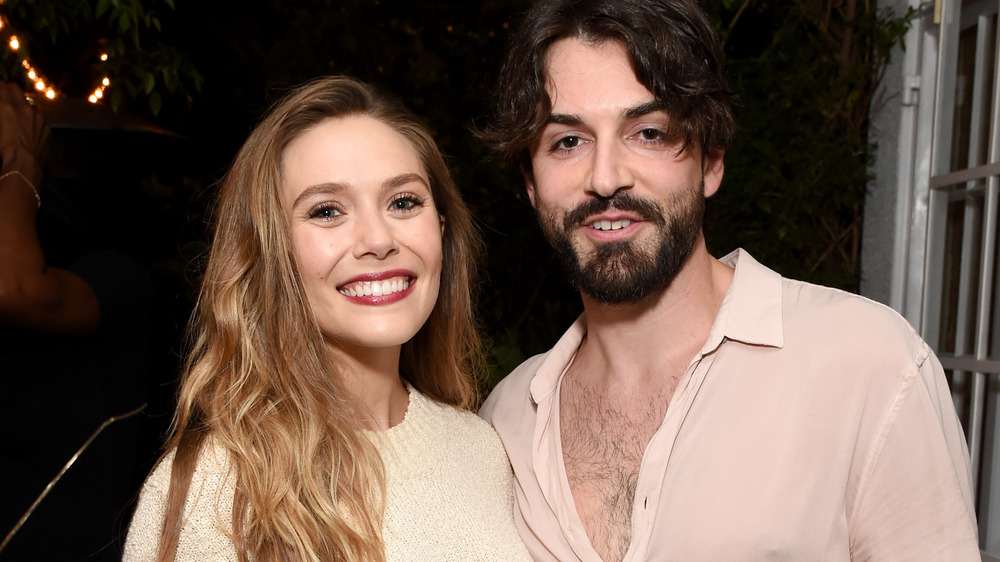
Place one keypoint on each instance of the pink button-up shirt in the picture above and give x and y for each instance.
(813, 425)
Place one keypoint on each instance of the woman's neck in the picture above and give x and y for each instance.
(372, 375)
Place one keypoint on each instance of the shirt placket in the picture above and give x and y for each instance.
(656, 457)
(556, 485)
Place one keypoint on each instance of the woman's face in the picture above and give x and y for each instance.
(366, 233)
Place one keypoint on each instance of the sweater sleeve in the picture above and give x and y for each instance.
(144, 531)
(207, 518)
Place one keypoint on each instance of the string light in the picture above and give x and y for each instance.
(99, 91)
(39, 81)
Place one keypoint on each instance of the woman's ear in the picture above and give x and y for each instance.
(441, 220)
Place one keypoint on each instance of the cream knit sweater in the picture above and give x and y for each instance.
(449, 495)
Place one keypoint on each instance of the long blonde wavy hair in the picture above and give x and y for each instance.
(262, 383)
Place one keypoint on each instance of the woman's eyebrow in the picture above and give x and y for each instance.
(337, 187)
(403, 179)
(325, 187)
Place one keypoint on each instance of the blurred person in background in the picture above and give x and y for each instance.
(72, 355)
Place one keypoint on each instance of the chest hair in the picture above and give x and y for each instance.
(603, 440)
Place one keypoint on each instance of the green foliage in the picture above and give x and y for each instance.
(803, 73)
(141, 67)
(797, 171)
(441, 58)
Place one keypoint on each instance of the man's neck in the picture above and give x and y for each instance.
(629, 343)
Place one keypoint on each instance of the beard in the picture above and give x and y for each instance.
(627, 272)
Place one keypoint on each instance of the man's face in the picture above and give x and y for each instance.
(615, 195)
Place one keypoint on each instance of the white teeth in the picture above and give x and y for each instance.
(610, 225)
(376, 288)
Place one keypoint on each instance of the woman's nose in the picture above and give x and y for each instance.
(375, 237)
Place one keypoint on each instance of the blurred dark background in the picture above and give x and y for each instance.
(137, 172)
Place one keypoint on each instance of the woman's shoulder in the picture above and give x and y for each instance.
(450, 489)
(456, 421)
(207, 509)
(460, 434)
(212, 473)
(213, 461)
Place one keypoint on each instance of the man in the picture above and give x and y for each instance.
(699, 409)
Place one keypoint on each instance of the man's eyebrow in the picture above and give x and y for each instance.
(642, 110)
(627, 113)
(564, 119)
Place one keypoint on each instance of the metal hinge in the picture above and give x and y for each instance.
(911, 89)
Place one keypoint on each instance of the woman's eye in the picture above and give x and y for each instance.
(324, 212)
(405, 202)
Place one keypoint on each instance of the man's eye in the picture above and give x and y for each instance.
(567, 142)
(651, 134)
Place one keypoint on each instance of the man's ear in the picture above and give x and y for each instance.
(712, 170)
(529, 183)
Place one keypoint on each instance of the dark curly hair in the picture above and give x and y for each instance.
(674, 52)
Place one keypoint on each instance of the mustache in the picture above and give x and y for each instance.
(647, 210)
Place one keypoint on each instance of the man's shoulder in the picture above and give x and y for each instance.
(802, 299)
(806, 305)
(847, 321)
(514, 389)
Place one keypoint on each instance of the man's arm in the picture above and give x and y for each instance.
(32, 294)
(915, 498)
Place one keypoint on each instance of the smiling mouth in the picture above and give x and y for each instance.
(610, 225)
(376, 288)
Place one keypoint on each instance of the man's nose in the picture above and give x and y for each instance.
(610, 171)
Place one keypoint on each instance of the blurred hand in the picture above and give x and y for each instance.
(23, 134)
(32, 294)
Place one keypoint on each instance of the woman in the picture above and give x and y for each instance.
(321, 414)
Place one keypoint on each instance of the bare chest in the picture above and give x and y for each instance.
(603, 441)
